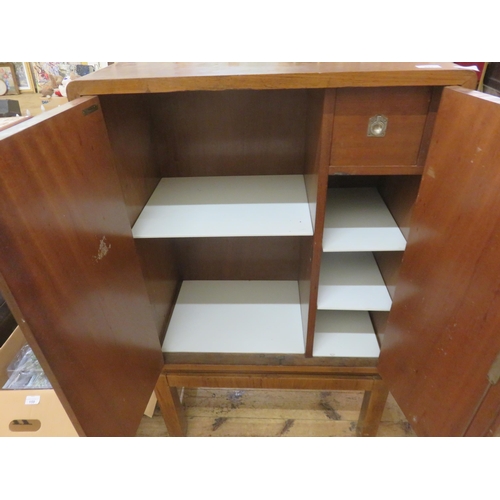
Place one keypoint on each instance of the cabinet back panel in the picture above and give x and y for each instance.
(268, 258)
(352, 181)
(389, 264)
(129, 127)
(399, 194)
(241, 132)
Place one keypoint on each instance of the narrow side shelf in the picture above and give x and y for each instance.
(236, 317)
(357, 220)
(345, 334)
(260, 205)
(352, 281)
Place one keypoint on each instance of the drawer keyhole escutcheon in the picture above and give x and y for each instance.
(377, 126)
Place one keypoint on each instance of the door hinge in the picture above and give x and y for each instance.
(494, 373)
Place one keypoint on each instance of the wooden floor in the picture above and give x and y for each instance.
(263, 413)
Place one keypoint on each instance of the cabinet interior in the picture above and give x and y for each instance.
(360, 265)
(230, 139)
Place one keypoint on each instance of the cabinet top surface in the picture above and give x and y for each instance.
(133, 78)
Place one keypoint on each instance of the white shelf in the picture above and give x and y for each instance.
(236, 317)
(352, 281)
(260, 205)
(345, 334)
(357, 220)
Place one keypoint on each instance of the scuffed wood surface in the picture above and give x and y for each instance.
(69, 269)
(442, 332)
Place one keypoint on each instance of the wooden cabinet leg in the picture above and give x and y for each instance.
(372, 408)
(171, 408)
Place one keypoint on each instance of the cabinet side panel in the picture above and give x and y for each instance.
(230, 133)
(69, 263)
(159, 265)
(399, 194)
(318, 144)
(131, 134)
(442, 333)
(389, 264)
(435, 99)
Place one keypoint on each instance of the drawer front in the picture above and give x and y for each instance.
(406, 111)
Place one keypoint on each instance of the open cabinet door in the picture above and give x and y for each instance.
(69, 269)
(443, 333)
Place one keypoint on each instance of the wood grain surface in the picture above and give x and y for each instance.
(406, 110)
(442, 334)
(160, 270)
(69, 268)
(243, 258)
(95, 332)
(238, 132)
(254, 363)
(130, 132)
(139, 78)
(319, 141)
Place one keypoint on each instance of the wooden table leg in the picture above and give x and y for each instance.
(372, 408)
(171, 408)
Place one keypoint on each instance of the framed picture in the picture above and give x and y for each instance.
(24, 77)
(42, 70)
(8, 77)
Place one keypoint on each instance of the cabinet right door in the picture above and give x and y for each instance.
(443, 332)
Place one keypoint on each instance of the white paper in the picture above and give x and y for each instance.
(32, 400)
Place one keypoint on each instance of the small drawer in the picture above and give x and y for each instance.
(406, 111)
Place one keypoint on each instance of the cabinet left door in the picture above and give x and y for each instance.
(69, 269)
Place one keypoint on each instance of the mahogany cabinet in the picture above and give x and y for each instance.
(259, 225)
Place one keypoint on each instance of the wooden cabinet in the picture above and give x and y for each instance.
(239, 226)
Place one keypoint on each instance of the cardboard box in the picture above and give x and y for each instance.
(38, 412)
(29, 413)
